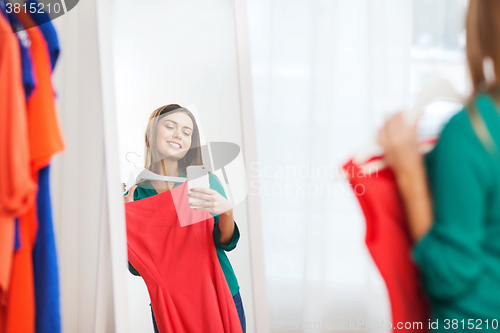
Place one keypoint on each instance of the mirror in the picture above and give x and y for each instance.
(185, 53)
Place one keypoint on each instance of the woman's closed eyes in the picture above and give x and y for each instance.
(186, 133)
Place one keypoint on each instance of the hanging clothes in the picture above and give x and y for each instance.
(46, 270)
(28, 82)
(20, 309)
(44, 128)
(389, 243)
(45, 267)
(18, 190)
(188, 290)
(30, 135)
(44, 140)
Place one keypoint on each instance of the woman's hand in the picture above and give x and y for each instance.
(214, 202)
(399, 141)
(130, 196)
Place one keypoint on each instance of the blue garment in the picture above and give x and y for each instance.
(154, 321)
(2, 8)
(46, 272)
(239, 307)
(48, 317)
(42, 19)
(29, 81)
(17, 240)
(241, 312)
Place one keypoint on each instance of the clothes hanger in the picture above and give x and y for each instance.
(139, 174)
(438, 89)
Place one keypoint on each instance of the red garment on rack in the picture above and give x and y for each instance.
(18, 191)
(17, 188)
(188, 290)
(44, 129)
(389, 242)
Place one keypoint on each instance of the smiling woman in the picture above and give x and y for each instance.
(172, 134)
(174, 130)
(172, 143)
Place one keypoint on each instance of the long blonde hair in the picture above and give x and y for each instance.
(192, 157)
(483, 37)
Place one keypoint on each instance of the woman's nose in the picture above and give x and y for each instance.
(177, 134)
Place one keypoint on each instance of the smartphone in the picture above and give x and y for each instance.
(197, 176)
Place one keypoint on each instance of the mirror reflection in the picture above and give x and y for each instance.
(178, 121)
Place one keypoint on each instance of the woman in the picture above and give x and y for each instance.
(453, 207)
(172, 144)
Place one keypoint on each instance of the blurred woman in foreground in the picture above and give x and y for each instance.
(452, 197)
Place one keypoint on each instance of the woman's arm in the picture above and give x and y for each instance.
(399, 141)
(451, 255)
(129, 195)
(417, 200)
(226, 227)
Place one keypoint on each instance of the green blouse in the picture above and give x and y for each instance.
(146, 190)
(459, 257)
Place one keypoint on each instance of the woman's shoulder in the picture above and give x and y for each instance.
(144, 190)
(478, 119)
(489, 110)
(461, 143)
(461, 126)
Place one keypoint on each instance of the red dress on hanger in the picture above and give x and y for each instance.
(187, 287)
(389, 242)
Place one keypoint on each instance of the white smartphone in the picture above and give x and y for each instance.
(197, 176)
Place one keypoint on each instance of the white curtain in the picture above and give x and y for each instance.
(325, 72)
(324, 75)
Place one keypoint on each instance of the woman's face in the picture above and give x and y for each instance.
(173, 135)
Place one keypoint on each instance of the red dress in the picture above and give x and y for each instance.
(389, 242)
(179, 264)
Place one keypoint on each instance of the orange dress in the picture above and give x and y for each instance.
(17, 190)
